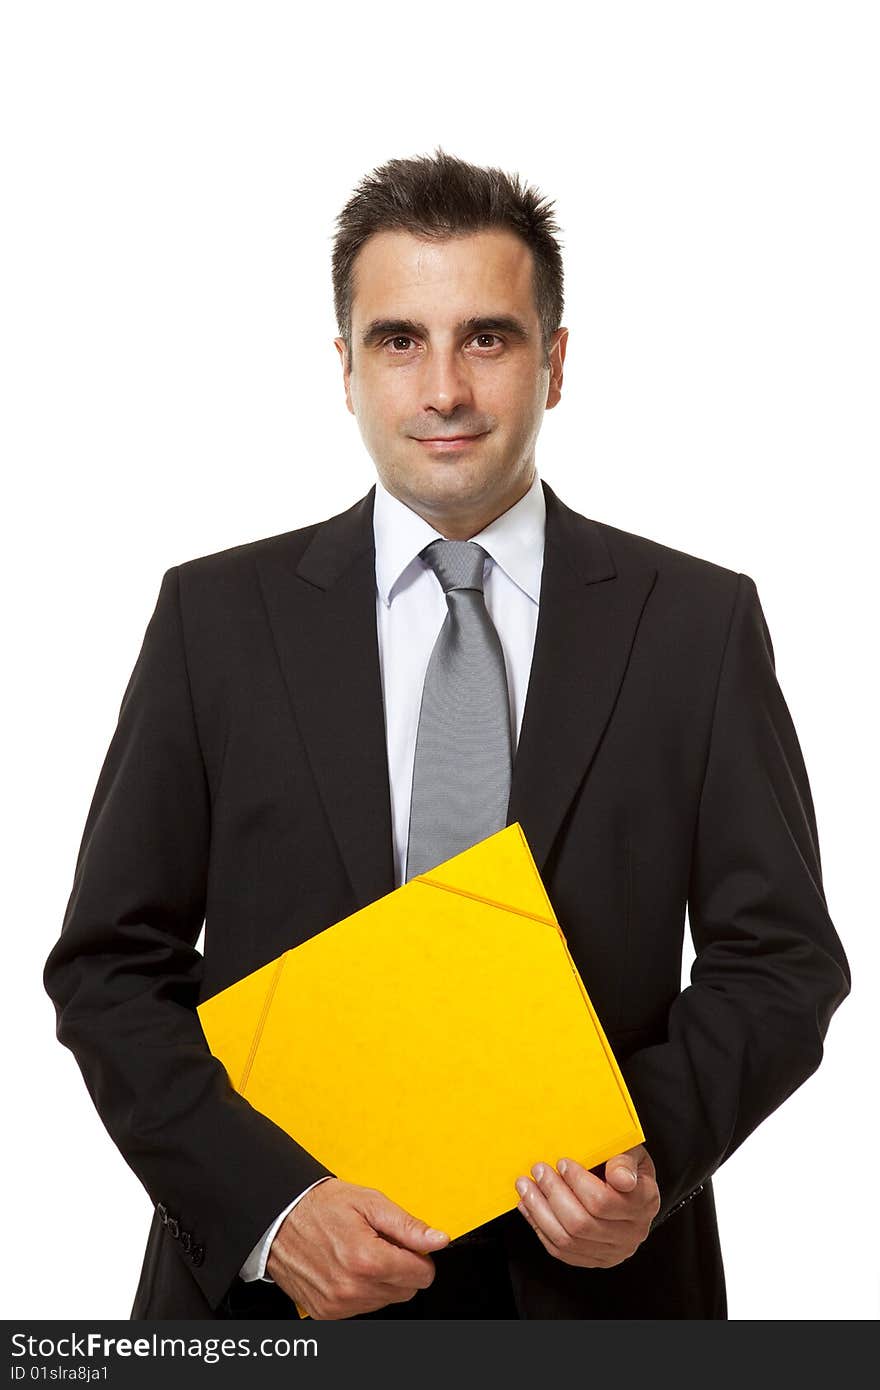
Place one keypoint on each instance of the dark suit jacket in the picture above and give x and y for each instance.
(247, 785)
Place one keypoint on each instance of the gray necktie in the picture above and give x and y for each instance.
(463, 758)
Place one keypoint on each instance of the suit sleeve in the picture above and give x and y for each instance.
(124, 977)
(769, 968)
(254, 1266)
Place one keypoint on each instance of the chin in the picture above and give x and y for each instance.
(455, 475)
(452, 491)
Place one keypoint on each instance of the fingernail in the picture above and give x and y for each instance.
(434, 1234)
(538, 1172)
(562, 1166)
(522, 1186)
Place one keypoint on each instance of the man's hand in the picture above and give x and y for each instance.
(346, 1249)
(584, 1221)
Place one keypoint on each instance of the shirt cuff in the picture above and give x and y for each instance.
(254, 1266)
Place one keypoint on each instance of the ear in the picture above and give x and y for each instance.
(558, 345)
(339, 344)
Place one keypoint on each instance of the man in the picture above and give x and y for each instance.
(315, 717)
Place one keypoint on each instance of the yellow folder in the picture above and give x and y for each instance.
(435, 1044)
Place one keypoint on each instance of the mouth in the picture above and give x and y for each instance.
(451, 443)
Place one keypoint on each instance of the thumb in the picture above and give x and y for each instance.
(622, 1171)
(391, 1221)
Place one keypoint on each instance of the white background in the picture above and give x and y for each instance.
(170, 175)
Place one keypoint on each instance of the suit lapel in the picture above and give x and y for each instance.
(587, 620)
(323, 616)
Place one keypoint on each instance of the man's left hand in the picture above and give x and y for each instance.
(584, 1221)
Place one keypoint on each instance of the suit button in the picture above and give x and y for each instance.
(197, 1255)
(173, 1228)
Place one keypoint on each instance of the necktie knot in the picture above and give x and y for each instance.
(457, 564)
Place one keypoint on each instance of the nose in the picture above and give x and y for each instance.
(445, 383)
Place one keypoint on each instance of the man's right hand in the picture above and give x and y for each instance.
(346, 1249)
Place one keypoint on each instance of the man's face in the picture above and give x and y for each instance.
(448, 378)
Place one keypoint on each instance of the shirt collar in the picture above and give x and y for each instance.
(514, 540)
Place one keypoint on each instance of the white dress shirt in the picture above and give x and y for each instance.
(410, 610)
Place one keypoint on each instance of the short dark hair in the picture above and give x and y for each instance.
(441, 196)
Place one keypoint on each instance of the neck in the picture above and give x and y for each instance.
(462, 528)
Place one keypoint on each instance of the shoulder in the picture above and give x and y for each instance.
(236, 560)
(694, 598)
(611, 549)
(690, 598)
(696, 607)
(684, 588)
(235, 570)
(626, 547)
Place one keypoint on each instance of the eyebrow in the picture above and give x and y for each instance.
(409, 328)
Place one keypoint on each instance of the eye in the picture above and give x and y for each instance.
(399, 343)
(486, 340)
